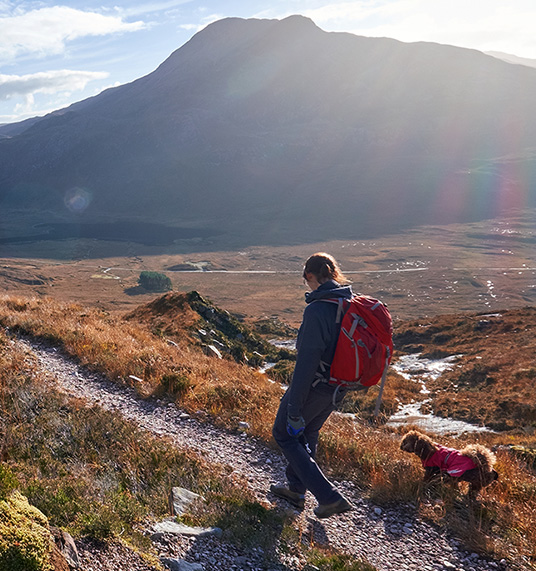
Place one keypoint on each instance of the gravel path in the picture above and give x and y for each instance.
(392, 539)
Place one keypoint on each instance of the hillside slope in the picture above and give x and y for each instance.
(130, 367)
(257, 131)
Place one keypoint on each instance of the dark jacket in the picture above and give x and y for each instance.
(316, 341)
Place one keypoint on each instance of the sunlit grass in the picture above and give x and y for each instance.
(502, 522)
(95, 474)
(497, 356)
(124, 351)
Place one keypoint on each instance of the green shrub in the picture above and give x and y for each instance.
(282, 371)
(25, 541)
(336, 562)
(154, 281)
(8, 481)
(100, 523)
(173, 384)
(255, 360)
(60, 498)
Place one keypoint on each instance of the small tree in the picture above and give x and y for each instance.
(154, 281)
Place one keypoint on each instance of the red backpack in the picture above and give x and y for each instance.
(365, 344)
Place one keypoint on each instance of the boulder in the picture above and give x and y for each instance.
(181, 565)
(175, 528)
(212, 351)
(66, 546)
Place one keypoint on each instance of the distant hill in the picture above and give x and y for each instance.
(514, 59)
(268, 131)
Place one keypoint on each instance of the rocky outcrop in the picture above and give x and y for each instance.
(180, 499)
(66, 546)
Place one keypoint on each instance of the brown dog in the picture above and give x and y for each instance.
(473, 464)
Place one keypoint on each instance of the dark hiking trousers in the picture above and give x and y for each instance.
(302, 471)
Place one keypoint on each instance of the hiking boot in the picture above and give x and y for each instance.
(297, 500)
(338, 507)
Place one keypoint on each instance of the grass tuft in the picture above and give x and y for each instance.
(325, 561)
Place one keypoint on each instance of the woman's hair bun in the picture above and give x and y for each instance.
(324, 267)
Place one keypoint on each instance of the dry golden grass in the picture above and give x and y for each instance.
(96, 474)
(502, 522)
(371, 457)
(122, 349)
(511, 507)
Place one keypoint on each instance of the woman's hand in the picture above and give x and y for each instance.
(295, 426)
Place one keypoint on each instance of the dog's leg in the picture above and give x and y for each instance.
(477, 479)
(430, 473)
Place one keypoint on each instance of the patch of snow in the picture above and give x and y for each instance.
(410, 366)
(284, 344)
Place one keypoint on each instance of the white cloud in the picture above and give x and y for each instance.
(151, 7)
(47, 30)
(479, 24)
(483, 25)
(190, 27)
(50, 82)
(205, 21)
(26, 107)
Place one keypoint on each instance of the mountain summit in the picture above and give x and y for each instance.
(273, 130)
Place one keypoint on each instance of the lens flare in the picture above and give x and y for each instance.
(77, 199)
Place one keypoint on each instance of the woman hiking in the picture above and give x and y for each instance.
(309, 400)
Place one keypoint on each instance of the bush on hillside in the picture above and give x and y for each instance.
(25, 541)
(154, 281)
(282, 371)
(8, 481)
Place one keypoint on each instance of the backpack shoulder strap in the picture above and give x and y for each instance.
(341, 309)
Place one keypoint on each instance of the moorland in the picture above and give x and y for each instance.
(473, 267)
(224, 170)
(465, 290)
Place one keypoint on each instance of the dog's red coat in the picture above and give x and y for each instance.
(449, 460)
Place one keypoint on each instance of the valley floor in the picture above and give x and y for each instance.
(483, 266)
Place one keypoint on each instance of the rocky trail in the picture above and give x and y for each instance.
(391, 539)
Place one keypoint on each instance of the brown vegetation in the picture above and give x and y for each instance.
(97, 475)
(125, 351)
(450, 269)
(496, 359)
(503, 522)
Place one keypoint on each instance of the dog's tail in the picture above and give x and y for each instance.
(481, 456)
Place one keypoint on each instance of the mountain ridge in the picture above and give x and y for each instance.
(264, 129)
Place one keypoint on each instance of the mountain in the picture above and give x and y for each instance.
(510, 58)
(266, 131)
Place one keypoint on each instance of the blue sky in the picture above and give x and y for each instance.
(53, 54)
